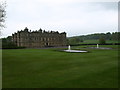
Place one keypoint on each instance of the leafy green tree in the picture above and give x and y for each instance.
(2, 14)
(8, 44)
(72, 40)
(102, 40)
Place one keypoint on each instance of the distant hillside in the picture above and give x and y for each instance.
(108, 37)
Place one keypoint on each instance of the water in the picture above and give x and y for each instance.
(69, 47)
(97, 46)
(77, 51)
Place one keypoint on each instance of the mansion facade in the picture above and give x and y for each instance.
(37, 39)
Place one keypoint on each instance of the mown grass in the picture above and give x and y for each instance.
(87, 46)
(97, 41)
(50, 68)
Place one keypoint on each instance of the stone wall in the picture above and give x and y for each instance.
(40, 38)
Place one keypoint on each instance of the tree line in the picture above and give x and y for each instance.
(8, 44)
(102, 37)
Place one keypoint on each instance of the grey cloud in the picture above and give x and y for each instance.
(108, 5)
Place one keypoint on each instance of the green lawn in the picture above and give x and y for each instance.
(87, 46)
(97, 41)
(50, 68)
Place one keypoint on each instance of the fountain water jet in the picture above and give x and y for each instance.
(77, 51)
(69, 47)
(97, 46)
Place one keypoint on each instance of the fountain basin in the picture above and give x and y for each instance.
(76, 51)
(99, 48)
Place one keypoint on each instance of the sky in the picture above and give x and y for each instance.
(75, 17)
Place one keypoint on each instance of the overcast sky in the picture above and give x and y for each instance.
(72, 16)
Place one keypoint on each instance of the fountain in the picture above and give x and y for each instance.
(69, 50)
(69, 47)
(97, 46)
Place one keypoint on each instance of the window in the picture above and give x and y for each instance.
(48, 39)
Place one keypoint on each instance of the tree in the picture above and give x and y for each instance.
(102, 40)
(2, 14)
(8, 44)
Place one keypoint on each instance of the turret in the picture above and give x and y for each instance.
(26, 29)
(40, 30)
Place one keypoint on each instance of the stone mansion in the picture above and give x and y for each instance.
(40, 38)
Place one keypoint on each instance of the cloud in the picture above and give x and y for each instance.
(74, 17)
